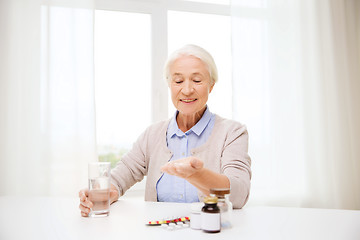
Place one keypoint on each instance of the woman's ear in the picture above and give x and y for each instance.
(211, 87)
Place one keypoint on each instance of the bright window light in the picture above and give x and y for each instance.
(122, 80)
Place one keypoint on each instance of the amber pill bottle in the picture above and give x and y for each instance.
(210, 216)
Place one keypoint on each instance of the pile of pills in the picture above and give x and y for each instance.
(175, 226)
(171, 224)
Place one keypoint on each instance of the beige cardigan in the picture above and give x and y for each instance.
(226, 152)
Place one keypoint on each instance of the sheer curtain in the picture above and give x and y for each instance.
(47, 121)
(296, 85)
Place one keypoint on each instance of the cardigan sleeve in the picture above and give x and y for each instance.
(236, 165)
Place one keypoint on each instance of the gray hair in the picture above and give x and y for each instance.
(196, 51)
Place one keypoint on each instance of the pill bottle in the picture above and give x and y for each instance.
(210, 215)
(195, 216)
(224, 204)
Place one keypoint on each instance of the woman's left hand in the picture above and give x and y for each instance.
(184, 168)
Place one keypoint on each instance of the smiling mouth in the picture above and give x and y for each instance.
(188, 100)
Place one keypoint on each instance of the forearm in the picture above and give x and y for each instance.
(206, 179)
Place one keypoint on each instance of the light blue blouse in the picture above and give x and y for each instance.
(174, 189)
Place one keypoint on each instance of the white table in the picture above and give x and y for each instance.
(59, 218)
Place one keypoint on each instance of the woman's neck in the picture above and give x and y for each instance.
(186, 122)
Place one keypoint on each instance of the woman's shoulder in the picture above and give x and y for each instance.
(229, 129)
(222, 122)
(159, 126)
(157, 129)
(154, 133)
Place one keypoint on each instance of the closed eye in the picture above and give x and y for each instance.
(178, 78)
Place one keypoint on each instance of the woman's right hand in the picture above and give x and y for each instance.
(85, 204)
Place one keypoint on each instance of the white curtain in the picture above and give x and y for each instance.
(47, 116)
(296, 84)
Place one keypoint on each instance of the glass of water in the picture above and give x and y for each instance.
(99, 188)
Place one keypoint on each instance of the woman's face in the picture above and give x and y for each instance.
(190, 85)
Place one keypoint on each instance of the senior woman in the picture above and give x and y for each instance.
(195, 150)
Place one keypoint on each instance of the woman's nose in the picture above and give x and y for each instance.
(187, 88)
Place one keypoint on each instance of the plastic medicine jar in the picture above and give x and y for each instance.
(195, 217)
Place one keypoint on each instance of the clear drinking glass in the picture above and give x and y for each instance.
(99, 188)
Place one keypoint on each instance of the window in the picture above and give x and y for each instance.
(132, 41)
(122, 80)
